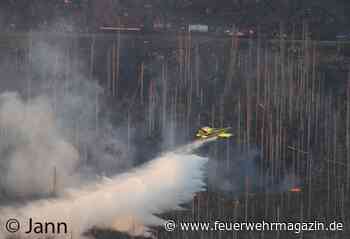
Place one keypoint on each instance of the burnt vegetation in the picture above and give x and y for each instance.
(288, 100)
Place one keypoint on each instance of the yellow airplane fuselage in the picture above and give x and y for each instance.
(208, 132)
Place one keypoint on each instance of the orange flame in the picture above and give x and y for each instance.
(295, 190)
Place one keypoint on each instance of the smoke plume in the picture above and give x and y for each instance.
(31, 147)
(55, 131)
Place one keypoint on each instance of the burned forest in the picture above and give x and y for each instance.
(147, 125)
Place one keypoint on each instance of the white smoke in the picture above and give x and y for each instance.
(32, 149)
(47, 145)
(126, 202)
(55, 132)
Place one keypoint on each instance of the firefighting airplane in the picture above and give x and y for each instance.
(208, 132)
